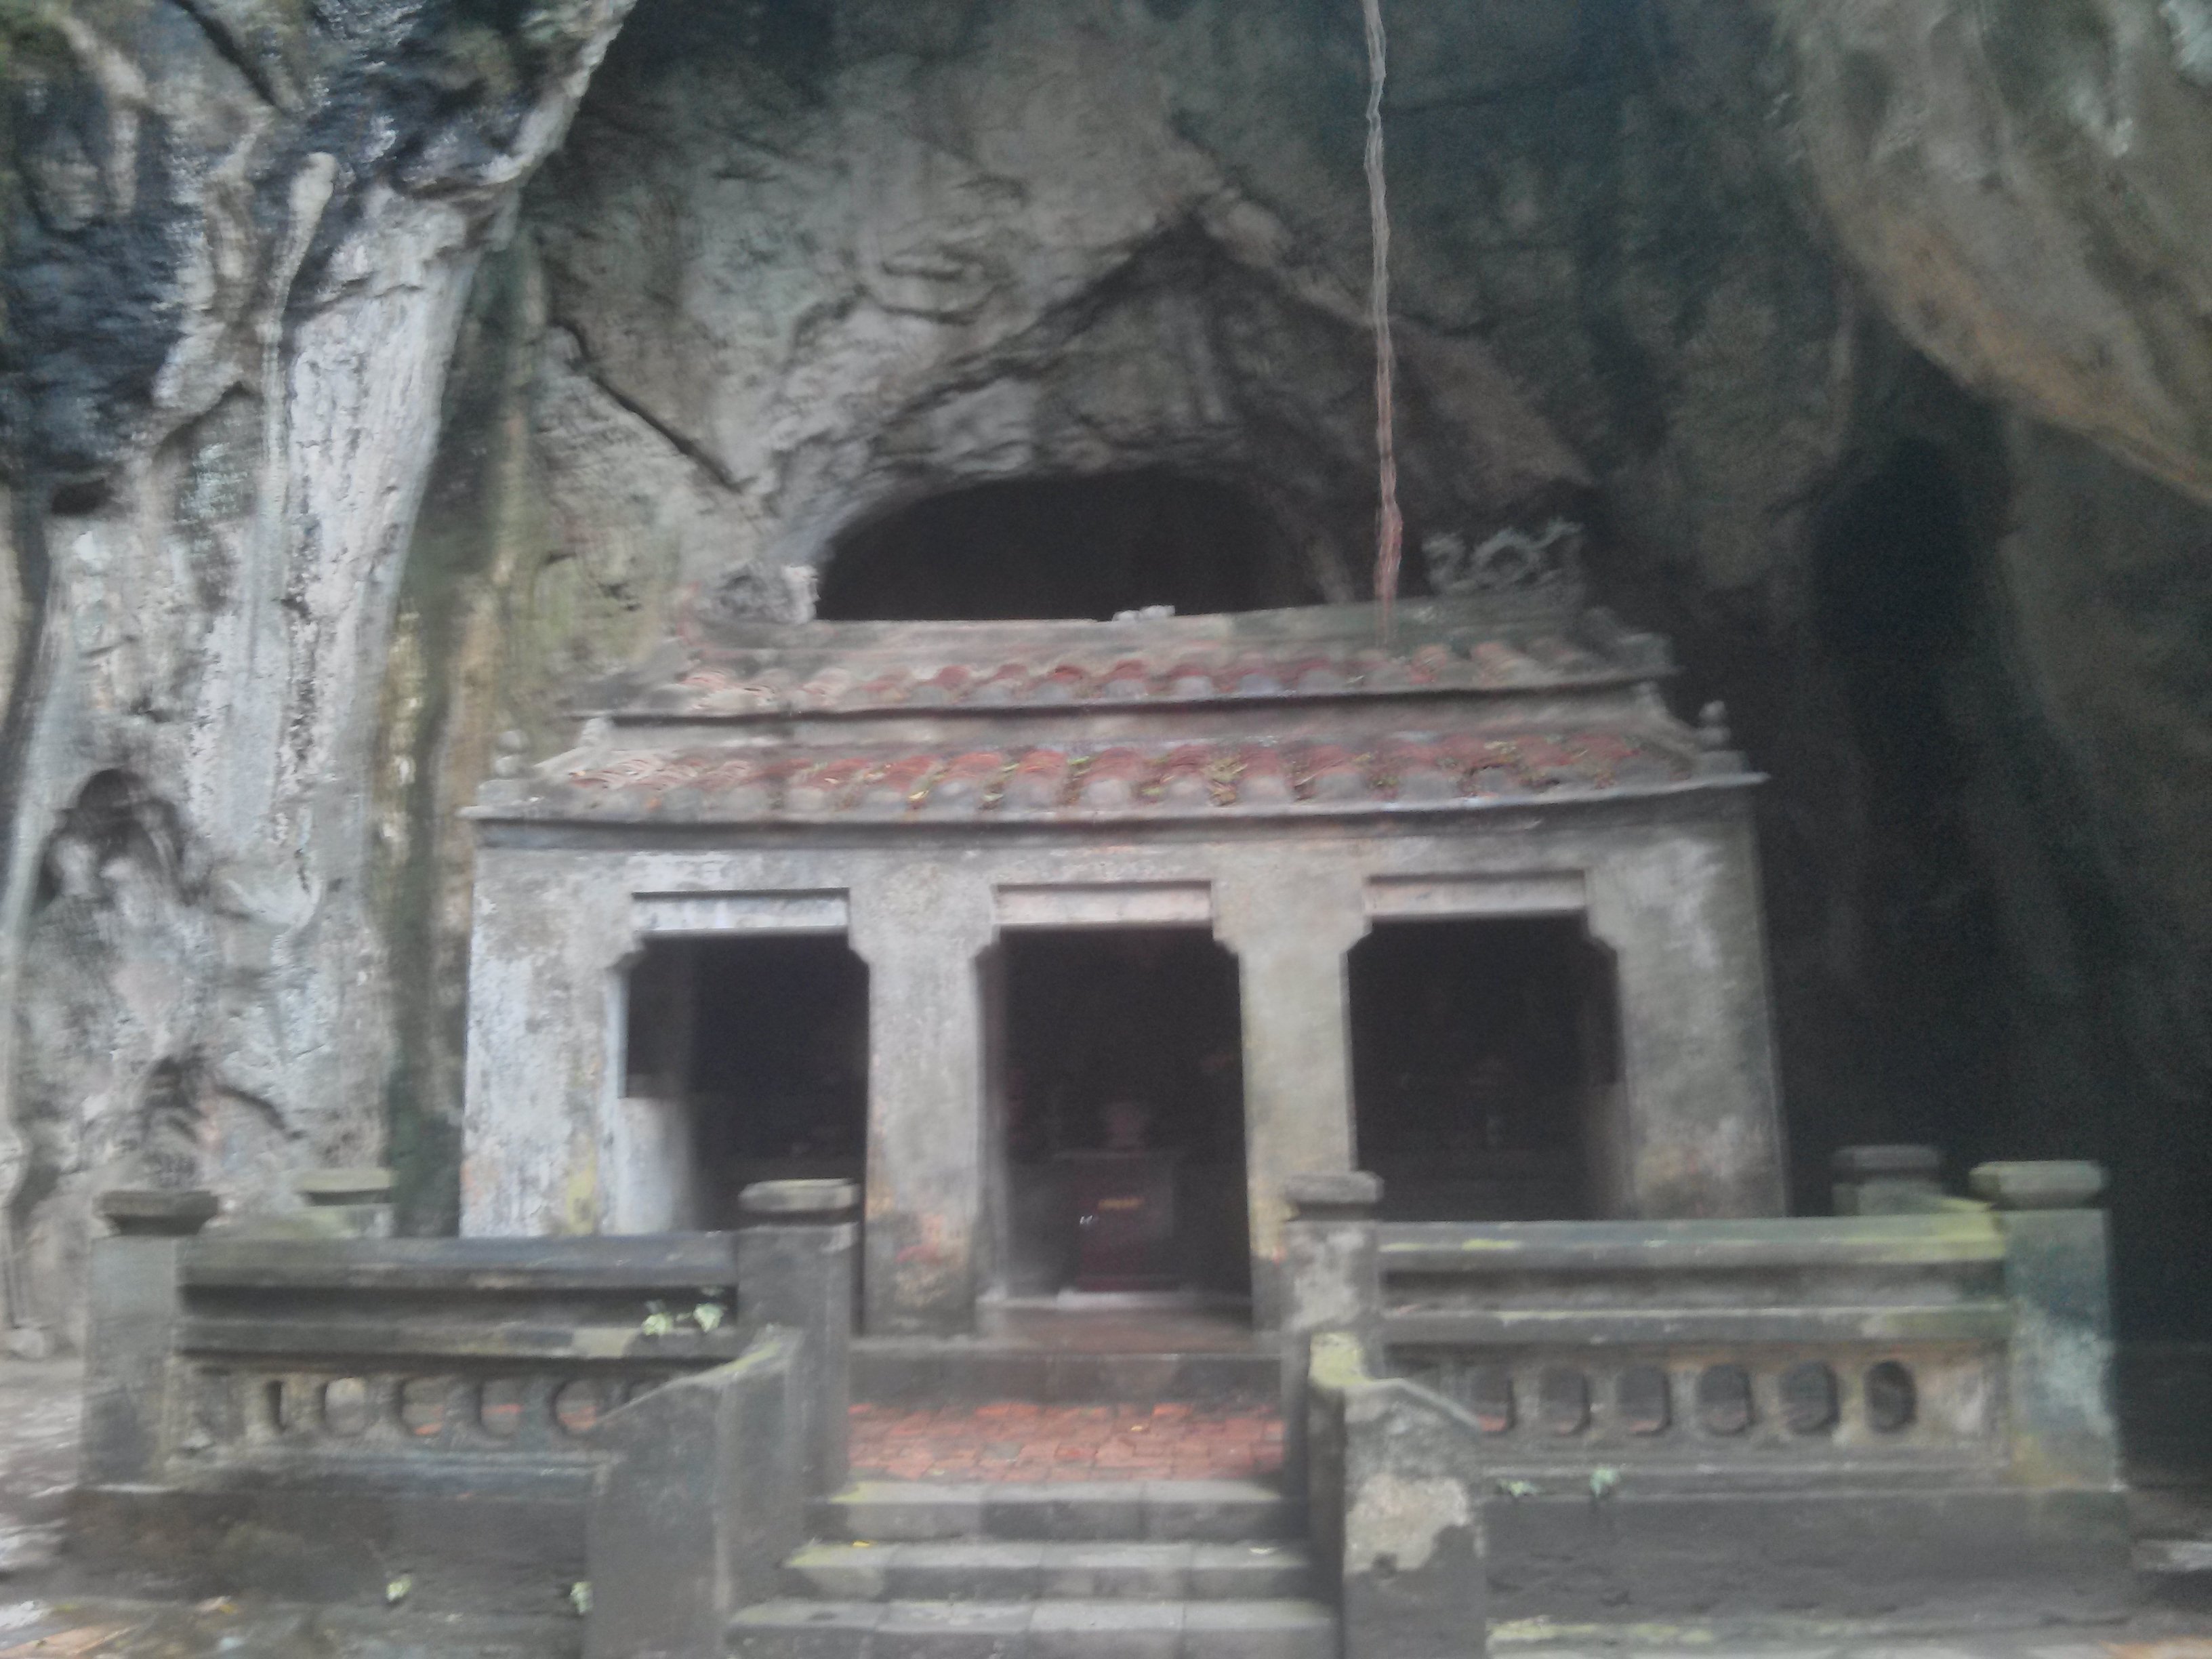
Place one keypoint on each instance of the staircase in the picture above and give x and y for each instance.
(1140, 1569)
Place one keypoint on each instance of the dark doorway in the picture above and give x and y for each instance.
(1064, 548)
(1484, 1070)
(748, 1060)
(1121, 1114)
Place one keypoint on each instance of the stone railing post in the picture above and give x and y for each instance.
(2064, 1428)
(1886, 1180)
(700, 1497)
(1332, 1282)
(132, 1289)
(795, 1265)
(1395, 1497)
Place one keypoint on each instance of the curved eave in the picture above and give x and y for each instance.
(1244, 819)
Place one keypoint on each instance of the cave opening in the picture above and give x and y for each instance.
(1894, 594)
(1066, 548)
(746, 1060)
(1486, 1069)
(1121, 1112)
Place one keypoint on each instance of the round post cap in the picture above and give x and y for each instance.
(1343, 1193)
(158, 1213)
(362, 1184)
(2050, 1184)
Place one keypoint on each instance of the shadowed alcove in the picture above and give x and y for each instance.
(1485, 1068)
(1071, 547)
(746, 1061)
(1121, 1112)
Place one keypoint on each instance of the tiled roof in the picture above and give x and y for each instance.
(1180, 779)
(1290, 711)
(764, 671)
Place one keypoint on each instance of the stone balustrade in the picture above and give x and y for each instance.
(1903, 1408)
(320, 1389)
(1873, 1343)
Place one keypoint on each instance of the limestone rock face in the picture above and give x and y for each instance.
(239, 250)
(2028, 190)
(1733, 288)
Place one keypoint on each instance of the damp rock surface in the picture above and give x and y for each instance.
(375, 374)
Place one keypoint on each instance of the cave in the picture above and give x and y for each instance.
(559, 632)
(1485, 1066)
(1120, 1113)
(745, 1059)
(1065, 547)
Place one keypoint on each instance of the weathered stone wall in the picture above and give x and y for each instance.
(238, 245)
(1666, 266)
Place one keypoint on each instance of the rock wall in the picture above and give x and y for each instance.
(1681, 271)
(239, 244)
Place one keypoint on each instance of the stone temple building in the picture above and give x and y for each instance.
(1347, 1024)
(1073, 940)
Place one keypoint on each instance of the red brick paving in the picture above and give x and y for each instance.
(1017, 1440)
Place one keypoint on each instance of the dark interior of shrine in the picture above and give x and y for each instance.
(1484, 1061)
(771, 1038)
(1120, 1097)
(1070, 547)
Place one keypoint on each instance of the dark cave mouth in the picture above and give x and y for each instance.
(1066, 548)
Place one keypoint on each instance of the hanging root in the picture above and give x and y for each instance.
(1391, 527)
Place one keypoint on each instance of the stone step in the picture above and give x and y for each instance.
(1109, 1629)
(1158, 1511)
(996, 1570)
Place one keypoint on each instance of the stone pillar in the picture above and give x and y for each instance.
(1332, 1282)
(921, 929)
(2064, 1428)
(131, 1289)
(1290, 926)
(795, 1262)
(1701, 1134)
(552, 940)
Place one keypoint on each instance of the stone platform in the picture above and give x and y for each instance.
(1048, 1356)
(1021, 1440)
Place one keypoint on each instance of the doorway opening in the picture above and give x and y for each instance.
(1119, 1096)
(747, 1060)
(1485, 1070)
(1066, 548)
